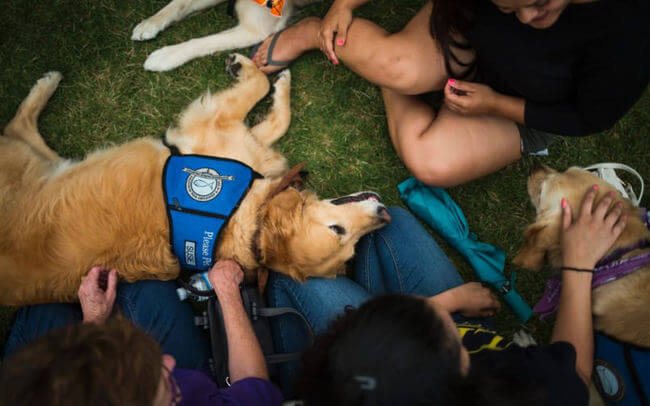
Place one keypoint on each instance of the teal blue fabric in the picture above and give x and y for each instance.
(435, 207)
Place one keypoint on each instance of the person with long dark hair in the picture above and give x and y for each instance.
(406, 330)
(515, 73)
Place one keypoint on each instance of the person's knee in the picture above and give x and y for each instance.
(431, 169)
(399, 216)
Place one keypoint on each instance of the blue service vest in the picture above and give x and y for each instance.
(621, 372)
(201, 194)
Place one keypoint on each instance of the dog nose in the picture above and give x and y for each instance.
(382, 213)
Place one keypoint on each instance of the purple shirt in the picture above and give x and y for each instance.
(199, 390)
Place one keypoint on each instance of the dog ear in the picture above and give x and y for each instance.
(298, 182)
(538, 241)
(284, 202)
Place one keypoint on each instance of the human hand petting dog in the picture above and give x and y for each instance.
(470, 300)
(584, 242)
(587, 239)
(225, 277)
(96, 300)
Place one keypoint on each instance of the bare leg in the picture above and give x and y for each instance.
(24, 125)
(408, 61)
(175, 11)
(449, 149)
(443, 150)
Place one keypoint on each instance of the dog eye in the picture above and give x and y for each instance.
(337, 229)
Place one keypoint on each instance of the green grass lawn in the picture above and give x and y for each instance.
(338, 124)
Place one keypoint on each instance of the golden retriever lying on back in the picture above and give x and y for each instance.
(620, 308)
(59, 218)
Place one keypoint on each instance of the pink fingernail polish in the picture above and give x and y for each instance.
(563, 203)
(451, 81)
(595, 187)
(339, 42)
(335, 62)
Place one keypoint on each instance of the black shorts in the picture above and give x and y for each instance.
(533, 140)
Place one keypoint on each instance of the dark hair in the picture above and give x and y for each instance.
(84, 364)
(396, 350)
(397, 341)
(450, 22)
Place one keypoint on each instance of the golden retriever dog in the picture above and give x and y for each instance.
(620, 307)
(59, 217)
(255, 23)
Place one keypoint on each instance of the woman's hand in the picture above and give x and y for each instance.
(585, 241)
(470, 300)
(225, 278)
(334, 27)
(97, 296)
(470, 98)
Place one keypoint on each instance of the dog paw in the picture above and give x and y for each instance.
(523, 339)
(164, 59)
(51, 78)
(233, 66)
(284, 76)
(240, 67)
(48, 83)
(147, 29)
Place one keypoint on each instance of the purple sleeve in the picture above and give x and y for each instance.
(252, 391)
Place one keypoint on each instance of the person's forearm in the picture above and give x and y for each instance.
(509, 107)
(446, 300)
(245, 357)
(574, 320)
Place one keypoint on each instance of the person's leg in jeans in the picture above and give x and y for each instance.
(32, 322)
(155, 307)
(320, 301)
(403, 257)
(152, 305)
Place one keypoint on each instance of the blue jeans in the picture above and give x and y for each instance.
(401, 257)
(152, 305)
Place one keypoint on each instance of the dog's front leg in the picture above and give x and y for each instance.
(171, 13)
(276, 123)
(170, 57)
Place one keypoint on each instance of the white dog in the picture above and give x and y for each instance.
(255, 24)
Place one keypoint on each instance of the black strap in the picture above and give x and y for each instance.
(172, 148)
(280, 358)
(195, 291)
(231, 8)
(279, 311)
(218, 343)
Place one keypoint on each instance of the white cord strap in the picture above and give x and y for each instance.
(607, 172)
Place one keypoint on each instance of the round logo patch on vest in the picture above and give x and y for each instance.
(204, 184)
(608, 380)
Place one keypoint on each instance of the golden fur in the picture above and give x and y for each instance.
(620, 307)
(59, 218)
